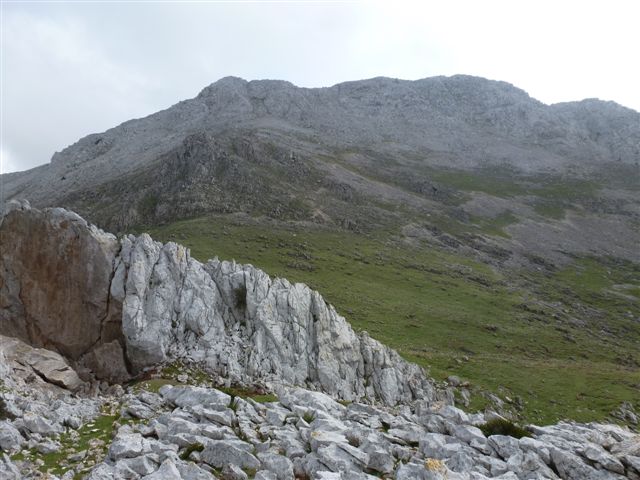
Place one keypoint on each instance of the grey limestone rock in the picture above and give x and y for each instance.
(233, 472)
(280, 465)
(53, 368)
(167, 471)
(163, 305)
(10, 438)
(8, 470)
(126, 445)
(219, 453)
(40, 425)
(59, 297)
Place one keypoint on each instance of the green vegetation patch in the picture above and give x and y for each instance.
(539, 337)
(189, 449)
(249, 393)
(93, 437)
(500, 426)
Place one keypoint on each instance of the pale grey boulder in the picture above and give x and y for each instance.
(219, 453)
(529, 465)
(53, 368)
(233, 472)
(415, 471)
(126, 445)
(48, 446)
(195, 396)
(167, 471)
(280, 465)
(265, 475)
(571, 467)
(40, 425)
(136, 466)
(190, 471)
(10, 438)
(504, 445)
(599, 456)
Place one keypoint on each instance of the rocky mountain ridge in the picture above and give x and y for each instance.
(258, 146)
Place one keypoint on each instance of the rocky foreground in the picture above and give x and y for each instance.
(198, 433)
(161, 364)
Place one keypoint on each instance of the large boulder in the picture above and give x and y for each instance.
(53, 368)
(55, 275)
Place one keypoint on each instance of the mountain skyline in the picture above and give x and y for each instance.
(347, 82)
(73, 69)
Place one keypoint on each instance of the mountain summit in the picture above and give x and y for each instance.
(455, 122)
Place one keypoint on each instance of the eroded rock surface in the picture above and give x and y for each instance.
(55, 272)
(83, 291)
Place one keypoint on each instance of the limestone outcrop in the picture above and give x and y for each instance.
(120, 306)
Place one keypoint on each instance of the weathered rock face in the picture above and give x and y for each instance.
(67, 285)
(54, 285)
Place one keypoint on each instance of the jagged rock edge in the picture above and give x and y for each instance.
(306, 344)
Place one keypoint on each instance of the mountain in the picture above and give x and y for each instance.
(479, 232)
(270, 148)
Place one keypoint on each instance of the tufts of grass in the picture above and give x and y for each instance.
(249, 393)
(309, 417)
(154, 384)
(500, 426)
(102, 428)
(189, 449)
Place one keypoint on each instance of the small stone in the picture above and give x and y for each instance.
(453, 380)
(10, 438)
(76, 457)
(233, 472)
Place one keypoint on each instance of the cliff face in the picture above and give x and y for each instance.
(119, 306)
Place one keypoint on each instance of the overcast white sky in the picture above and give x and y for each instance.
(73, 68)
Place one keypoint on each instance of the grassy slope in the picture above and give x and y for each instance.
(456, 316)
